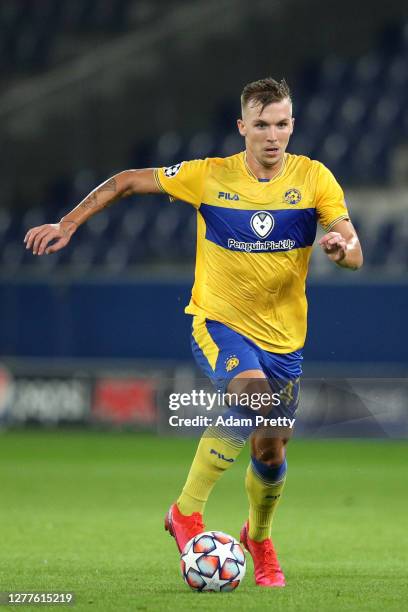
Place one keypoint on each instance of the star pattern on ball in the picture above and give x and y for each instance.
(190, 558)
(223, 551)
(214, 583)
(213, 561)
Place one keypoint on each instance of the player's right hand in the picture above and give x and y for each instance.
(38, 238)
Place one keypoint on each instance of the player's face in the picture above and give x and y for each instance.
(267, 133)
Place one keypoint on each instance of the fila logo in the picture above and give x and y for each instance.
(224, 195)
(221, 456)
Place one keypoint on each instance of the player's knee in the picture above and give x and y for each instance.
(271, 454)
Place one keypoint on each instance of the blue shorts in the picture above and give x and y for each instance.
(222, 353)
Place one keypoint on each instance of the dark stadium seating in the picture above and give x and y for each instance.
(36, 33)
(351, 117)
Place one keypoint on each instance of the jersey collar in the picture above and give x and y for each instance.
(252, 175)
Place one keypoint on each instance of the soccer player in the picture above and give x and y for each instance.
(257, 213)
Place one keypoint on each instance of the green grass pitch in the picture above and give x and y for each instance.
(84, 512)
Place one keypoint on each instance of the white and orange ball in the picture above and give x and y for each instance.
(213, 561)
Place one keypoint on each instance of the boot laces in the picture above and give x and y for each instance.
(197, 521)
(269, 558)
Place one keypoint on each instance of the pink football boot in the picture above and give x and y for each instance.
(183, 527)
(268, 572)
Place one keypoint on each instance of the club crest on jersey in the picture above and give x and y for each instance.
(231, 363)
(171, 171)
(262, 224)
(292, 196)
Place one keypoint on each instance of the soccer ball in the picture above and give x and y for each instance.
(213, 561)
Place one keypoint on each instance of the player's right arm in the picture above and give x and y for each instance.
(119, 186)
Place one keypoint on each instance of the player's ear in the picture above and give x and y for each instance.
(293, 125)
(241, 127)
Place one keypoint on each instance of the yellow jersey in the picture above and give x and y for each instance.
(254, 241)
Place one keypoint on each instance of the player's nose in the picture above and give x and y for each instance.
(272, 135)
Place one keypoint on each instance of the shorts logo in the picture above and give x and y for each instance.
(171, 171)
(231, 363)
(262, 224)
(292, 196)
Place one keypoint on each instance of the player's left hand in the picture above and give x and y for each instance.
(334, 245)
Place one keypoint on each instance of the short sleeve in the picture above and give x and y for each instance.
(184, 181)
(329, 199)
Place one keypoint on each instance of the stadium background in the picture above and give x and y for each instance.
(94, 338)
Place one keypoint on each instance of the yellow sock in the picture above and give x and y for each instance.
(263, 500)
(213, 457)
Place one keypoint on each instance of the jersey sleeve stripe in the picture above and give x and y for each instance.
(157, 180)
(342, 218)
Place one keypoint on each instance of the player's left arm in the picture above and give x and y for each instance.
(342, 245)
